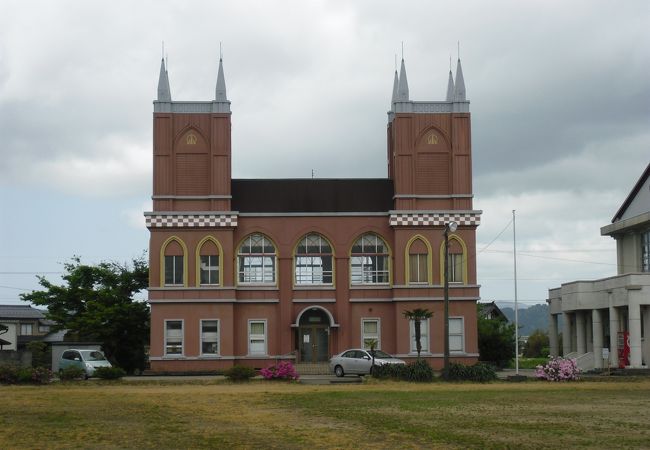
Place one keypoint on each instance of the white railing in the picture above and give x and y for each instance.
(585, 362)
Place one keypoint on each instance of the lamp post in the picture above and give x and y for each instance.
(451, 226)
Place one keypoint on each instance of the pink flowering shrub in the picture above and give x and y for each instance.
(558, 369)
(283, 370)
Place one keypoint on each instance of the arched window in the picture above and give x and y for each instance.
(457, 261)
(369, 261)
(174, 265)
(256, 260)
(208, 262)
(418, 262)
(313, 261)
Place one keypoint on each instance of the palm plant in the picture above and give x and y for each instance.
(417, 316)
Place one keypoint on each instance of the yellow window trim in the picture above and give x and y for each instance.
(162, 259)
(198, 259)
(442, 257)
(407, 268)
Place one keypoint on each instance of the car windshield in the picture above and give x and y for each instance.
(381, 355)
(93, 355)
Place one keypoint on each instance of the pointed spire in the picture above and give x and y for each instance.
(395, 87)
(450, 88)
(459, 86)
(164, 93)
(403, 85)
(220, 91)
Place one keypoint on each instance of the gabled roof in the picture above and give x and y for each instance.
(633, 193)
(20, 312)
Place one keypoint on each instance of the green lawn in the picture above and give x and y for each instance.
(260, 414)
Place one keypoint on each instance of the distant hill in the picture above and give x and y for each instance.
(532, 318)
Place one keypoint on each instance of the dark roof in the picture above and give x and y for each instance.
(312, 196)
(20, 312)
(632, 194)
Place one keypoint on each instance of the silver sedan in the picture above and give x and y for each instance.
(359, 361)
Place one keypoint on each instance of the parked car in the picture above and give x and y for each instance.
(87, 360)
(359, 361)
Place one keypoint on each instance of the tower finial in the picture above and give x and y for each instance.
(459, 86)
(402, 50)
(220, 91)
(403, 88)
(163, 49)
(458, 49)
(164, 93)
(220, 52)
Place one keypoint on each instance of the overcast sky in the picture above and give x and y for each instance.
(559, 91)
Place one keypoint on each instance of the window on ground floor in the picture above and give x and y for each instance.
(370, 333)
(456, 334)
(257, 337)
(209, 337)
(173, 337)
(424, 335)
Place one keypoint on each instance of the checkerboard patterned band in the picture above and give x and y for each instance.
(434, 219)
(191, 221)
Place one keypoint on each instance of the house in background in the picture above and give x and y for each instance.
(25, 324)
(491, 311)
(611, 313)
(247, 271)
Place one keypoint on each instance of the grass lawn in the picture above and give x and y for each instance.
(606, 414)
(528, 363)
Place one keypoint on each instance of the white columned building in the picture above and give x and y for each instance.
(610, 317)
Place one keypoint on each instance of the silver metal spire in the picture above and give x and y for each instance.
(403, 85)
(459, 85)
(220, 91)
(164, 92)
(450, 88)
(395, 87)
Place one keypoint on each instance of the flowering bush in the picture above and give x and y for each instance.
(283, 370)
(558, 369)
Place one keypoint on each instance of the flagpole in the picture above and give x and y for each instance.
(514, 251)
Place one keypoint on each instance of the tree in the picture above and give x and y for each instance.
(96, 303)
(417, 316)
(537, 345)
(496, 340)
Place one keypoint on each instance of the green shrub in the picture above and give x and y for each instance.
(109, 373)
(239, 373)
(8, 374)
(71, 373)
(416, 371)
(480, 372)
(419, 371)
(12, 374)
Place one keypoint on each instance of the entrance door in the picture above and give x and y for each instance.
(314, 342)
(313, 336)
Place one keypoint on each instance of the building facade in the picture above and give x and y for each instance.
(252, 271)
(611, 314)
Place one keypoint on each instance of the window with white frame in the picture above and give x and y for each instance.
(173, 270)
(369, 261)
(456, 334)
(257, 337)
(424, 335)
(256, 260)
(173, 337)
(26, 329)
(209, 337)
(370, 332)
(313, 261)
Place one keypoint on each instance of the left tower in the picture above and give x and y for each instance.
(191, 150)
(191, 227)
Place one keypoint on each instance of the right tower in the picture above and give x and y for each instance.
(429, 148)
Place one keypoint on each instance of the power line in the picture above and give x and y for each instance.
(497, 237)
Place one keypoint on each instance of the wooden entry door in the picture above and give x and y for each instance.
(314, 343)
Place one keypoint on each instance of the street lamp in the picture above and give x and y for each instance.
(451, 226)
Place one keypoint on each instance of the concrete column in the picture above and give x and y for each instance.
(581, 348)
(597, 331)
(613, 334)
(566, 333)
(589, 326)
(634, 325)
(552, 335)
(645, 350)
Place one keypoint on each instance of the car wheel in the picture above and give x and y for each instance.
(338, 371)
